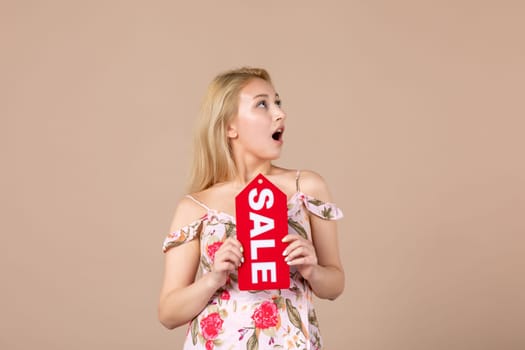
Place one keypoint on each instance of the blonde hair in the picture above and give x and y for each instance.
(212, 157)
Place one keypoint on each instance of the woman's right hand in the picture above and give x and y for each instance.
(226, 260)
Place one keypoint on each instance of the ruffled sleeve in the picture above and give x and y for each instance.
(183, 235)
(324, 210)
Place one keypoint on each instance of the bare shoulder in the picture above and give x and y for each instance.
(313, 184)
(186, 212)
(285, 179)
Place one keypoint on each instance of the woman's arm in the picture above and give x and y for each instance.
(182, 297)
(318, 261)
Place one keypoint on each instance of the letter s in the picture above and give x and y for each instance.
(265, 196)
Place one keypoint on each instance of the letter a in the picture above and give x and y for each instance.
(261, 224)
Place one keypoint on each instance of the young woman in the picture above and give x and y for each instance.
(240, 133)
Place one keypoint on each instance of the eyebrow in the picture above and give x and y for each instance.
(265, 95)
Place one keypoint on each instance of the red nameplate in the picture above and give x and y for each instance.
(262, 222)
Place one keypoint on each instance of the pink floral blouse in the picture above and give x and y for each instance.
(269, 319)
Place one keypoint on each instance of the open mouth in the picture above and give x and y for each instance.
(277, 135)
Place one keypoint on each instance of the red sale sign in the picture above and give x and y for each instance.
(262, 222)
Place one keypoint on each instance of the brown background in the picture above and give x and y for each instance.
(413, 111)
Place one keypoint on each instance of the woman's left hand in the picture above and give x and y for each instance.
(300, 253)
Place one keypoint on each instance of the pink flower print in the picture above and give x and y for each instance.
(266, 316)
(211, 325)
(212, 249)
(209, 345)
(225, 295)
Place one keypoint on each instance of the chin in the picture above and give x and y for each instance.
(270, 157)
(269, 154)
(275, 156)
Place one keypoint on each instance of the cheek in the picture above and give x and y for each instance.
(250, 128)
(250, 134)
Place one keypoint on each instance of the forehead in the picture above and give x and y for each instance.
(256, 87)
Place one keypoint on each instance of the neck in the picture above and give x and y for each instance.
(248, 170)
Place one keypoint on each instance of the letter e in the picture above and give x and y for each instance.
(264, 267)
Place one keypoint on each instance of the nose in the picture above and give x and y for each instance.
(279, 114)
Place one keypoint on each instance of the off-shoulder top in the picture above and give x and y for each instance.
(269, 319)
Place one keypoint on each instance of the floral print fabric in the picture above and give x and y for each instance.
(269, 319)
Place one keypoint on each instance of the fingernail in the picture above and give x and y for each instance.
(242, 249)
(242, 259)
(284, 253)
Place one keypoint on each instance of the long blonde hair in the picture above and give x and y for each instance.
(212, 157)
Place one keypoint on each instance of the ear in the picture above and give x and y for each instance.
(232, 132)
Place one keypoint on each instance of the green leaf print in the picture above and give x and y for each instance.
(253, 343)
(315, 202)
(327, 213)
(205, 264)
(211, 308)
(223, 313)
(312, 318)
(317, 340)
(230, 229)
(279, 302)
(298, 228)
(194, 330)
(294, 315)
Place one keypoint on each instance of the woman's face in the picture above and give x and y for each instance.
(258, 128)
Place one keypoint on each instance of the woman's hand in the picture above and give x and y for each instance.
(226, 260)
(300, 253)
